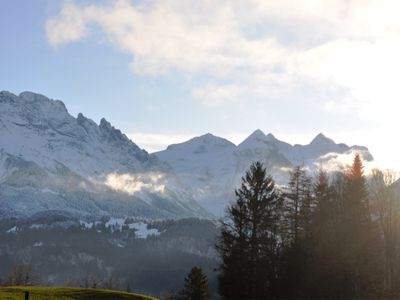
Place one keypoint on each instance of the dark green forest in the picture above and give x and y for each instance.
(61, 252)
(324, 237)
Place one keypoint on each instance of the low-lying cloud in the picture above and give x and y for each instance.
(136, 183)
(340, 162)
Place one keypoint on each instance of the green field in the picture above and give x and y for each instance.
(65, 293)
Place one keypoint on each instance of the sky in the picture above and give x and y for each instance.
(166, 71)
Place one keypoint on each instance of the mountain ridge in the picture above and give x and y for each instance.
(50, 160)
(213, 175)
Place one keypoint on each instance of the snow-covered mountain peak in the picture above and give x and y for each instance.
(31, 103)
(111, 132)
(201, 144)
(254, 140)
(42, 130)
(212, 174)
(7, 95)
(105, 124)
(210, 139)
(257, 134)
(208, 136)
(42, 103)
(270, 137)
(82, 120)
(34, 112)
(33, 97)
(204, 164)
(51, 160)
(321, 139)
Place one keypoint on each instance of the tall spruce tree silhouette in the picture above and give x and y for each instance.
(249, 241)
(196, 286)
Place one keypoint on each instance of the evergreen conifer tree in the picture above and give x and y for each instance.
(249, 241)
(324, 272)
(298, 216)
(299, 204)
(359, 236)
(196, 286)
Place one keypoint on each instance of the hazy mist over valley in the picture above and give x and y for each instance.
(197, 150)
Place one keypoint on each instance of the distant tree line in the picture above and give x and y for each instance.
(20, 275)
(328, 236)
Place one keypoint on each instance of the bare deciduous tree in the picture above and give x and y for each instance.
(22, 275)
(385, 203)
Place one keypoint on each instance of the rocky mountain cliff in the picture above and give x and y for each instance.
(51, 161)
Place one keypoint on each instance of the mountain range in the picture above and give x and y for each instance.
(212, 167)
(52, 162)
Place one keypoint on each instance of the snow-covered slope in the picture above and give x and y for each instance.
(211, 167)
(53, 162)
(50, 160)
(41, 130)
(206, 166)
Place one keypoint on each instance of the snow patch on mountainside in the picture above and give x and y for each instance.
(142, 231)
(12, 230)
(116, 224)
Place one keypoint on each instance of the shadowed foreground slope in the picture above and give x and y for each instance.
(47, 293)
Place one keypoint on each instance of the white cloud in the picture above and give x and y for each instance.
(331, 162)
(69, 26)
(262, 48)
(256, 49)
